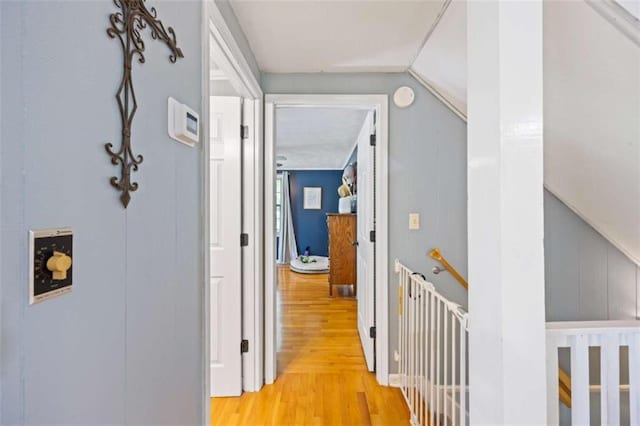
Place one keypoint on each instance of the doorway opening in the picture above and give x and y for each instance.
(325, 188)
(232, 214)
(323, 247)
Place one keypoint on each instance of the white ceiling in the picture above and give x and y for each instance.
(591, 87)
(335, 36)
(317, 137)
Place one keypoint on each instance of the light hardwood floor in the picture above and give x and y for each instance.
(322, 375)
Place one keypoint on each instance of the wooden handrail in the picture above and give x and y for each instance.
(437, 255)
(564, 381)
(564, 387)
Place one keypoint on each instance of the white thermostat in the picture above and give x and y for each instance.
(184, 123)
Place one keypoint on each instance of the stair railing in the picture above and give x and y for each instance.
(432, 352)
(609, 337)
(564, 381)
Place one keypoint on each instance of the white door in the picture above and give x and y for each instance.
(225, 227)
(365, 257)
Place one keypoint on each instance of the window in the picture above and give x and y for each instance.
(278, 204)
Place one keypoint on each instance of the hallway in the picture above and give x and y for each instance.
(322, 375)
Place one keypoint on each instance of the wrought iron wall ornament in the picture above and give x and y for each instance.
(127, 26)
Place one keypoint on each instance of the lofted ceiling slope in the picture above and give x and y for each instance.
(335, 36)
(591, 107)
(442, 62)
(592, 81)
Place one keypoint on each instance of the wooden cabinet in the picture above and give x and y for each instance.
(342, 250)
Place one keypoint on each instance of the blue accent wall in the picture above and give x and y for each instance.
(311, 225)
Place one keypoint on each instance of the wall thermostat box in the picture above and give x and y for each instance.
(184, 123)
(50, 260)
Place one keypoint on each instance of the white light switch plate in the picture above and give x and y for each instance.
(414, 221)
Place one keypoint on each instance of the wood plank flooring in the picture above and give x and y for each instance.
(322, 375)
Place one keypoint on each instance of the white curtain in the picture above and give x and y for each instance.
(287, 248)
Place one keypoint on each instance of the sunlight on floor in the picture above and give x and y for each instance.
(322, 375)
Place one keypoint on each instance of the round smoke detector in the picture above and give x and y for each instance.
(403, 97)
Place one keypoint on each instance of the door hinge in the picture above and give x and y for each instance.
(372, 236)
(244, 346)
(372, 139)
(244, 132)
(372, 332)
(244, 240)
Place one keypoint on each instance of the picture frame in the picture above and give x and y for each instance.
(312, 198)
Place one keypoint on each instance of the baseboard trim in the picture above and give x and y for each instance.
(395, 380)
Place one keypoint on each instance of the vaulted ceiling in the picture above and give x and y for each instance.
(336, 36)
(442, 62)
(592, 81)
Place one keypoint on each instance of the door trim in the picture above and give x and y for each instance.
(215, 30)
(381, 104)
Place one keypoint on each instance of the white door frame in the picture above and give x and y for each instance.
(380, 104)
(215, 30)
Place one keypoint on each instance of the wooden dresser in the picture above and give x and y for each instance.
(342, 250)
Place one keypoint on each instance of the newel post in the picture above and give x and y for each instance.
(505, 213)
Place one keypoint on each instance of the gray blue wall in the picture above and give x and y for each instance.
(587, 278)
(427, 174)
(124, 347)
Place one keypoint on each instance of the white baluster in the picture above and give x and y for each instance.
(427, 352)
(418, 351)
(432, 355)
(415, 345)
(412, 346)
(400, 320)
(634, 378)
(402, 331)
(610, 380)
(406, 335)
(580, 381)
(463, 375)
(437, 349)
(454, 364)
(445, 341)
(423, 356)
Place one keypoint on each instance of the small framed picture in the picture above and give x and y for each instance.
(312, 198)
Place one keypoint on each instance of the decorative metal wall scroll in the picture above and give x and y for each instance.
(127, 26)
